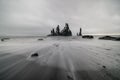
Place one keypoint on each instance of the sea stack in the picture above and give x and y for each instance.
(64, 32)
(80, 33)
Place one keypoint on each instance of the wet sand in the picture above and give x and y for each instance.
(60, 60)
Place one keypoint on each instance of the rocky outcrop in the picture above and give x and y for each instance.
(64, 32)
(80, 33)
(110, 38)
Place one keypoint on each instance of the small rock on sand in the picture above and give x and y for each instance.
(34, 55)
(104, 67)
(40, 39)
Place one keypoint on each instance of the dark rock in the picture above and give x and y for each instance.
(88, 36)
(107, 49)
(69, 77)
(56, 45)
(3, 39)
(118, 39)
(107, 37)
(110, 38)
(40, 39)
(104, 66)
(34, 55)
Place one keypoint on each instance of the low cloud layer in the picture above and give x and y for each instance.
(37, 17)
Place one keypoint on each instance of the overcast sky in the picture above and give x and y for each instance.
(37, 17)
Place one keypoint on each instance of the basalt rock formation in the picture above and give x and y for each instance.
(64, 32)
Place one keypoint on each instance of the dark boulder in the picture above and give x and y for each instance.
(3, 39)
(34, 55)
(88, 36)
(104, 66)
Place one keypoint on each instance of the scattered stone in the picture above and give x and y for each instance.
(69, 77)
(40, 39)
(104, 66)
(108, 49)
(34, 55)
(3, 39)
(56, 45)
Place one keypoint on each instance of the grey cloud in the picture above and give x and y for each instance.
(37, 17)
